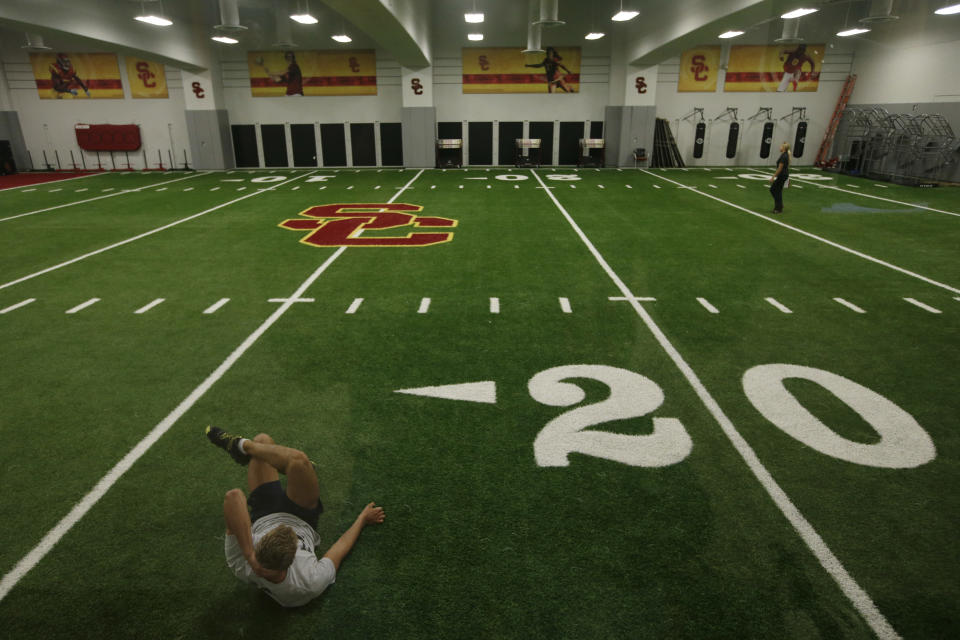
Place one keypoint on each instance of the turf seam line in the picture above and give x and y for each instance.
(52, 537)
(109, 195)
(815, 236)
(857, 596)
(145, 234)
(868, 195)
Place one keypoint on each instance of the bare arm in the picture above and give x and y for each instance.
(370, 515)
(238, 525)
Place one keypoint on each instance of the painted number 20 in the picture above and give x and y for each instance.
(903, 442)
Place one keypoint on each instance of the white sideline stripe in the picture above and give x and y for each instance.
(109, 195)
(868, 195)
(857, 596)
(149, 305)
(820, 238)
(779, 306)
(145, 234)
(33, 186)
(494, 305)
(216, 306)
(22, 303)
(424, 305)
(354, 305)
(706, 305)
(925, 307)
(564, 302)
(83, 305)
(849, 305)
(80, 509)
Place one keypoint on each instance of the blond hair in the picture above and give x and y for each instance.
(277, 549)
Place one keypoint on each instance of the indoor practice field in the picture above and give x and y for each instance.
(594, 404)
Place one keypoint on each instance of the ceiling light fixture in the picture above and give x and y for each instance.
(473, 17)
(948, 10)
(476, 37)
(303, 15)
(624, 14)
(851, 32)
(730, 34)
(798, 13)
(342, 38)
(593, 35)
(151, 18)
(225, 39)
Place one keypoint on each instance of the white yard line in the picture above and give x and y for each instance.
(813, 235)
(109, 195)
(857, 596)
(354, 305)
(849, 305)
(14, 307)
(494, 305)
(83, 305)
(80, 509)
(781, 307)
(923, 306)
(867, 195)
(564, 302)
(144, 235)
(424, 305)
(216, 306)
(149, 306)
(706, 305)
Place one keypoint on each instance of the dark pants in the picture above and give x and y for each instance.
(776, 190)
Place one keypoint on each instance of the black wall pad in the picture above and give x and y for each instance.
(509, 132)
(596, 129)
(391, 144)
(570, 135)
(363, 144)
(333, 142)
(274, 145)
(800, 139)
(732, 138)
(701, 134)
(450, 130)
(544, 131)
(766, 140)
(245, 145)
(481, 143)
(304, 143)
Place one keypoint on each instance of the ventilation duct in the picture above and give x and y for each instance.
(533, 32)
(880, 11)
(35, 43)
(549, 12)
(791, 32)
(229, 17)
(281, 16)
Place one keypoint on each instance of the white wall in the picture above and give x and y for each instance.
(674, 105)
(910, 74)
(48, 125)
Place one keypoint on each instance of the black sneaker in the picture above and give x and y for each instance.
(229, 443)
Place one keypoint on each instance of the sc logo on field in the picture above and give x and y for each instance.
(340, 225)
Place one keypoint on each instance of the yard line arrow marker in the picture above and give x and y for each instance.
(485, 392)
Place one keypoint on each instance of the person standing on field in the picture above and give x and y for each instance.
(270, 540)
(779, 179)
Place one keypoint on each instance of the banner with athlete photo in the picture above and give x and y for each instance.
(699, 69)
(791, 67)
(76, 75)
(312, 73)
(509, 70)
(147, 79)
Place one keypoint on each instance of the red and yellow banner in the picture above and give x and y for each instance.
(792, 67)
(699, 69)
(509, 70)
(147, 79)
(312, 73)
(77, 75)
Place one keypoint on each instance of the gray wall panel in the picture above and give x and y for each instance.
(419, 135)
(209, 133)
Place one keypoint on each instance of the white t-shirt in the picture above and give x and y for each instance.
(306, 578)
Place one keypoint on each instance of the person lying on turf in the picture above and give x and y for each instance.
(271, 541)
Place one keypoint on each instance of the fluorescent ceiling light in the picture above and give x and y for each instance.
(948, 10)
(852, 32)
(475, 36)
(225, 39)
(342, 38)
(623, 16)
(157, 21)
(473, 18)
(303, 18)
(798, 13)
(593, 35)
(730, 34)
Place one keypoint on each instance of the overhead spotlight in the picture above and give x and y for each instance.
(476, 37)
(150, 18)
(798, 13)
(593, 35)
(225, 39)
(730, 34)
(342, 38)
(948, 10)
(852, 32)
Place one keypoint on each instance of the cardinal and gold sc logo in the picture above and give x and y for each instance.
(341, 225)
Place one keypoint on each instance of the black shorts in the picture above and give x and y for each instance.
(270, 497)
